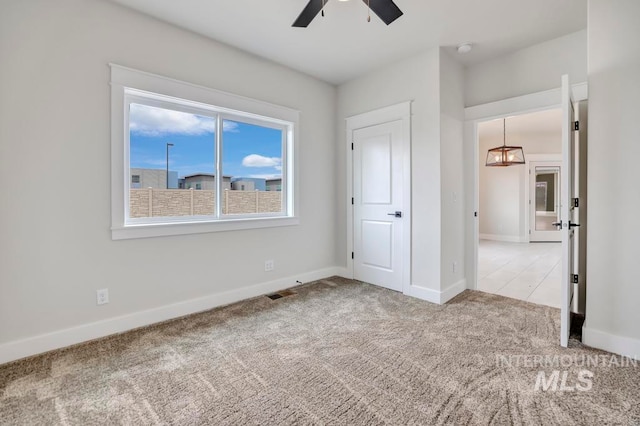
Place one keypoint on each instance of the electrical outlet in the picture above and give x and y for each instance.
(269, 265)
(102, 296)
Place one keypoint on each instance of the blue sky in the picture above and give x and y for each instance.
(248, 150)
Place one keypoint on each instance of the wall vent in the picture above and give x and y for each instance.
(281, 294)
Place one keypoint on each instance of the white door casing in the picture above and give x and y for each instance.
(379, 183)
(567, 210)
(536, 232)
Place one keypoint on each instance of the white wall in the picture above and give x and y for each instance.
(415, 79)
(451, 171)
(502, 190)
(530, 70)
(613, 291)
(55, 144)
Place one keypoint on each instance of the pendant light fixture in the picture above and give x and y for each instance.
(503, 156)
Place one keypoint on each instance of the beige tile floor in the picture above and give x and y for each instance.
(525, 271)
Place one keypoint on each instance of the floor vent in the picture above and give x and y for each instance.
(280, 294)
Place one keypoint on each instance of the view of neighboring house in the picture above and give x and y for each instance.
(153, 178)
(204, 181)
(243, 185)
(274, 184)
(157, 179)
(250, 184)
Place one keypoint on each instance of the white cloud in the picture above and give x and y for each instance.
(230, 126)
(256, 160)
(151, 121)
(267, 176)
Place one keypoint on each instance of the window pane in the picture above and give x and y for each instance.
(181, 143)
(252, 164)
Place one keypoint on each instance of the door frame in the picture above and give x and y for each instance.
(535, 102)
(553, 159)
(397, 112)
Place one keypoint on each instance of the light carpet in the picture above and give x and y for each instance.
(336, 352)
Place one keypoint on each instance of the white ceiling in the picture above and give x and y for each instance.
(343, 45)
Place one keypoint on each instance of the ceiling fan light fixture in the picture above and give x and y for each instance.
(504, 156)
(386, 10)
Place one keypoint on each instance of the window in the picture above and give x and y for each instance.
(186, 145)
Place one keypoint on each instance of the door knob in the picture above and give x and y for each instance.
(573, 225)
(557, 224)
(396, 214)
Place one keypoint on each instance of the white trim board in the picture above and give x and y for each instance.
(436, 296)
(621, 345)
(523, 104)
(15, 350)
(503, 238)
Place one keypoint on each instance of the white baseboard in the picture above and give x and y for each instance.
(343, 272)
(453, 290)
(620, 345)
(503, 238)
(436, 296)
(18, 349)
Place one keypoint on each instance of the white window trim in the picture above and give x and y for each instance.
(226, 105)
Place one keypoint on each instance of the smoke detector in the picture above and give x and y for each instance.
(464, 48)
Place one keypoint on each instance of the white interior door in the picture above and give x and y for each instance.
(378, 218)
(567, 222)
(544, 200)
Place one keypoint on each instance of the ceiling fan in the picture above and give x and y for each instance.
(386, 10)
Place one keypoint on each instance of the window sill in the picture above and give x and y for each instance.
(150, 230)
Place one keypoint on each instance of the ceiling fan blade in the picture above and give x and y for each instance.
(386, 10)
(308, 13)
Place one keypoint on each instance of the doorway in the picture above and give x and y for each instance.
(544, 201)
(517, 207)
(379, 193)
(573, 191)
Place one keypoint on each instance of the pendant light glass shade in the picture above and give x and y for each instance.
(503, 156)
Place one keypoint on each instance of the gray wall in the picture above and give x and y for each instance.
(534, 69)
(452, 189)
(55, 111)
(613, 292)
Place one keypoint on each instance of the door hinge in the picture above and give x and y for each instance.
(351, 146)
(575, 278)
(576, 202)
(576, 125)
(352, 202)
(352, 255)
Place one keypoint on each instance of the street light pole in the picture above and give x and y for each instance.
(168, 145)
